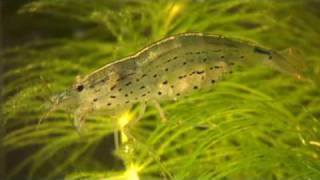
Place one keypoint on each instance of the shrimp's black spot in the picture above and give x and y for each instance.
(109, 104)
(80, 88)
(172, 86)
(112, 88)
(143, 75)
(127, 102)
(230, 72)
(165, 82)
(155, 75)
(184, 63)
(217, 50)
(95, 99)
(142, 87)
(211, 68)
(175, 57)
(103, 80)
(113, 97)
(198, 52)
(126, 95)
(166, 69)
(159, 92)
(216, 67)
(261, 51)
(180, 77)
(222, 57)
(204, 59)
(143, 95)
(131, 92)
(241, 57)
(200, 72)
(128, 83)
(213, 81)
(195, 87)
(137, 79)
(178, 94)
(119, 89)
(270, 57)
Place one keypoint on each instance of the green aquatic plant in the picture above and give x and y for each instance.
(257, 124)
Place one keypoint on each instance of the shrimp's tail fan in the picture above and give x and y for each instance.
(297, 59)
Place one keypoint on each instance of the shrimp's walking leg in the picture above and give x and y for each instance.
(160, 110)
(116, 139)
(123, 117)
(143, 107)
(116, 132)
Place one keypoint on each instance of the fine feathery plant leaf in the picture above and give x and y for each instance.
(256, 124)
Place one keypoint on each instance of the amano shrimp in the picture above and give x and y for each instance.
(165, 70)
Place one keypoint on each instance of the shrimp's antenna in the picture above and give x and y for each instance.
(45, 83)
(53, 108)
(51, 102)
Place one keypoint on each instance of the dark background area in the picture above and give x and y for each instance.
(15, 29)
(18, 29)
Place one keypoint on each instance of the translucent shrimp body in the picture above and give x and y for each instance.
(167, 69)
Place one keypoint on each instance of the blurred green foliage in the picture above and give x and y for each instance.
(257, 124)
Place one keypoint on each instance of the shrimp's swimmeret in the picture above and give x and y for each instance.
(167, 69)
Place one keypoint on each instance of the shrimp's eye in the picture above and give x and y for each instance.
(79, 88)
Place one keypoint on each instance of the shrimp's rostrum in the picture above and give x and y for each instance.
(165, 70)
